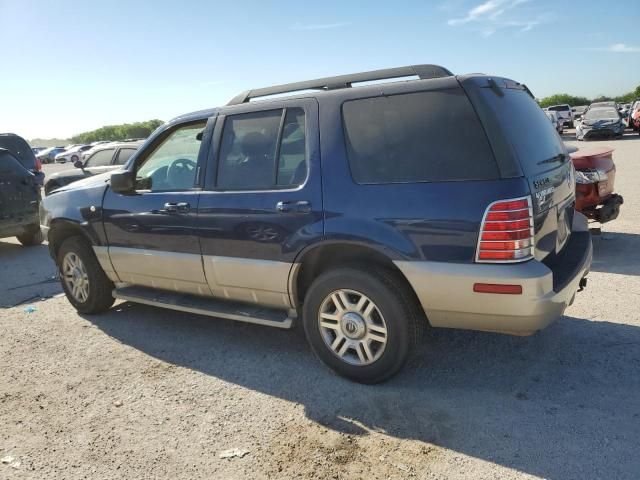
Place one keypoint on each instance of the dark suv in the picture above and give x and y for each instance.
(365, 212)
(21, 150)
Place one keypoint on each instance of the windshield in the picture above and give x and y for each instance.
(601, 114)
(560, 108)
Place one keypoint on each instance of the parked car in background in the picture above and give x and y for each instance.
(98, 145)
(49, 154)
(21, 150)
(578, 111)
(565, 115)
(103, 158)
(633, 119)
(72, 154)
(19, 200)
(35, 150)
(599, 123)
(595, 177)
(553, 116)
(237, 212)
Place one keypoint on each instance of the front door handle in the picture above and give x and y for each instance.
(180, 207)
(301, 206)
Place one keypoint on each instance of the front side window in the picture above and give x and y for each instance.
(263, 150)
(172, 165)
(101, 158)
(416, 137)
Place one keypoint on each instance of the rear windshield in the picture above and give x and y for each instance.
(601, 114)
(560, 108)
(526, 127)
(19, 148)
(416, 137)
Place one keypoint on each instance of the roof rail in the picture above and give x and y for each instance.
(344, 81)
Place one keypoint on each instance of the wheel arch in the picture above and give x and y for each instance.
(321, 257)
(61, 229)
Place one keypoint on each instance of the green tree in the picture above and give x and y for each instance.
(118, 132)
(561, 98)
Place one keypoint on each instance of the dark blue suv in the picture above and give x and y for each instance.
(367, 212)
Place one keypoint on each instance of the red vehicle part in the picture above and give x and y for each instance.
(595, 177)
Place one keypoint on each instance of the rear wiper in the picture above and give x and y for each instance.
(558, 158)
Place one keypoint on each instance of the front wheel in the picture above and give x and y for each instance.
(84, 282)
(362, 323)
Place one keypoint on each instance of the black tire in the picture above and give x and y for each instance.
(74, 159)
(99, 298)
(33, 236)
(396, 303)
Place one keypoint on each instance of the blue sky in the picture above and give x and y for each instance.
(72, 66)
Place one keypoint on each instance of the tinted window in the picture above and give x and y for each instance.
(292, 166)
(19, 148)
(602, 114)
(417, 137)
(101, 158)
(172, 165)
(124, 155)
(526, 127)
(10, 167)
(249, 149)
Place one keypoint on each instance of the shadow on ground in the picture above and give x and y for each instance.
(564, 403)
(615, 252)
(27, 274)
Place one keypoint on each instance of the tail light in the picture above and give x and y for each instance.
(38, 164)
(506, 232)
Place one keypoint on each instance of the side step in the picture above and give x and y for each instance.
(212, 307)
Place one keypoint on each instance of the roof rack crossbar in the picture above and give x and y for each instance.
(345, 81)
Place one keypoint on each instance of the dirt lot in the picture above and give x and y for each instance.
(141, 392)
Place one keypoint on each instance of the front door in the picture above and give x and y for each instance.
(262, 200)
(151, 233)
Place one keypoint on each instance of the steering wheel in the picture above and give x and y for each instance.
(181, 172)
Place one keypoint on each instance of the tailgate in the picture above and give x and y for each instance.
(553, 194)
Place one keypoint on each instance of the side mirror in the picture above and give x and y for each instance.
(123, 182)
(78, 164)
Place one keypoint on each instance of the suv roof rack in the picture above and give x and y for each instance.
(344, 81)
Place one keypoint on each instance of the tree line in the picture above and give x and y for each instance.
(560, 98)
(118, 132)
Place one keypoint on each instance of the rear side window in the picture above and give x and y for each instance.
(526, 127)
(416, 137)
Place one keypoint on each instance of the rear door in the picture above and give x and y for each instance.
(262, 201)
(18, 194)
(544, 161)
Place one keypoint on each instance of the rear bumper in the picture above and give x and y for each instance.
(446, 290)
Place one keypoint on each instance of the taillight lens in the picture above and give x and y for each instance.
(38, 164)
(506, 232)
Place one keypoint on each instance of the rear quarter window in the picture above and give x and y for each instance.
(416, 137)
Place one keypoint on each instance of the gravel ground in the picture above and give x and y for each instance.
(142, 392)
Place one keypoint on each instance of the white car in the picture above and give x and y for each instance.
(557, 124)
(72, 154)
(565, 114)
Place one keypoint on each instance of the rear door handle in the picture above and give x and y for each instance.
(301, 206)
(180, 207)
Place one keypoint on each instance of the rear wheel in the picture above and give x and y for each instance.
(32, 236)
(362, 323)
(74, 159)
(83, 280)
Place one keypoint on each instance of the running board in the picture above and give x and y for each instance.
(212, 307)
